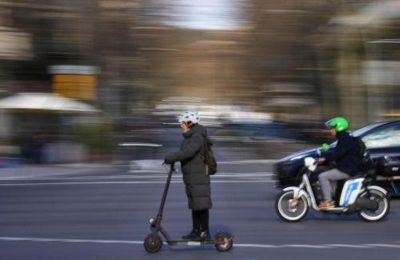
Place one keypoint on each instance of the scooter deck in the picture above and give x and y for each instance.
(190, 242)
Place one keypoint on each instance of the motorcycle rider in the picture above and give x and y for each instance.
(197, 182)
(344, 155)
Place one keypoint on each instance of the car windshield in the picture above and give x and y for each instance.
(363, 130)
(359, 132)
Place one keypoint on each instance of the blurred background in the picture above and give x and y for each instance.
(103, 80)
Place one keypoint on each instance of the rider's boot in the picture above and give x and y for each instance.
(193, 235)
(205, 235)
(326, 204)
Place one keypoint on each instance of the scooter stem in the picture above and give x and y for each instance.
(164, 197)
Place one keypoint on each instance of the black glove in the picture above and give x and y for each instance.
(167, 160)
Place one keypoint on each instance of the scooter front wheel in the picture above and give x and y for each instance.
(290, 209)
(153, 243)
(223, 241)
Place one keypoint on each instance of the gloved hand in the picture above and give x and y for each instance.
(325, 147)
(167, 160)
(321, 160)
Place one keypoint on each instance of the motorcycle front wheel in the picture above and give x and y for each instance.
(290, 210)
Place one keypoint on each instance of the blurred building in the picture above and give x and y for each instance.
(300, 60)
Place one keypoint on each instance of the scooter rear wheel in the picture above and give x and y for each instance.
(153, 243)
(223, 241)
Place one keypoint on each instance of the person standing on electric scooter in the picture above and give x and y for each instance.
(197, 182)
(345, 155)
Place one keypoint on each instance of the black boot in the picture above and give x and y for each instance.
(205, 235)
(193, 235)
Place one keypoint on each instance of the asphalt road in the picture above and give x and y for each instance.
(103, 215)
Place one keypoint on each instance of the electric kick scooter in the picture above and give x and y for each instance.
(153, 243)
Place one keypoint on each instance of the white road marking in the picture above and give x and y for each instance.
(156, 165)
(235, 175)
(322, 246)
(133, 242)
(141, 144)
(147, 171)
(159, 161)
(63, 240)
(125, 182)
(267, 161)
(147, 176)
(218, 175)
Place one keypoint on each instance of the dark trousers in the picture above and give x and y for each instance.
(200, 220)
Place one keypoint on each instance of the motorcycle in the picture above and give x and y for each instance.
(358, 196)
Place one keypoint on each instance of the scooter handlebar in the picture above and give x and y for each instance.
(171, 165)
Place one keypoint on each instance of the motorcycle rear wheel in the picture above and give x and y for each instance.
(381, 212)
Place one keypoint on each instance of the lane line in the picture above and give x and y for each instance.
(63, 240)
(218, 175)
(153, 165)
(163, 173)
(140, 144)
(151, 176)
(126, 182)
(271, 246)
(154, 162)
(267, 161)
(311, 246)
(147, 171)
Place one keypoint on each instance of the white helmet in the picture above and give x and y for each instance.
(189, 116)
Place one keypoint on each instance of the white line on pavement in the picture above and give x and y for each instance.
(150, 176)
(155, 165)
(143, 176)
(125, 182)
(248, 161)
(37, 239)
(147, 171)
(102, 241)
(218, 175)
(322, 246)
(155, 162)
(141, 144)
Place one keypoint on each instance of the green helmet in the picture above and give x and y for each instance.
(339, 123)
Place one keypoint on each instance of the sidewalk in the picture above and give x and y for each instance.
(26, 171)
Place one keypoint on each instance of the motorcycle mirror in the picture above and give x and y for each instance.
(310, 163)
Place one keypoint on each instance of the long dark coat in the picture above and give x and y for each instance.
(191, 156)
